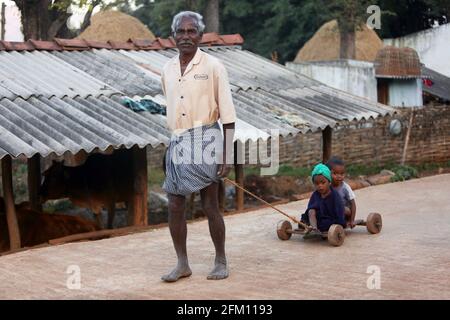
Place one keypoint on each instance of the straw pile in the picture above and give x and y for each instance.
(115, 26)
(325, 44)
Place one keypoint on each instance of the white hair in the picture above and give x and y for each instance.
(198, 18)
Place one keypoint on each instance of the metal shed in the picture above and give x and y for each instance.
(65, 96)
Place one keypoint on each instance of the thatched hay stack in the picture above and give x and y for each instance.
(116, 26)
(325, 44)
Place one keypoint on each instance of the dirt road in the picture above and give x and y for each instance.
(412, 255)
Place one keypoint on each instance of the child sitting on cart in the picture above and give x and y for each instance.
(337, 168)
(325, 206)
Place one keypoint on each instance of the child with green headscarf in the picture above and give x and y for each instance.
(325, 206)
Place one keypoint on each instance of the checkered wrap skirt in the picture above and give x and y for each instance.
(192, 159)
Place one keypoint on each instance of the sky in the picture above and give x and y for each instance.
(13, 25)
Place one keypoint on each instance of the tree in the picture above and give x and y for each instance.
(212, 20)
(47, 19)
(350, 15)
(409, 16)
(157, 15)
(281, 27)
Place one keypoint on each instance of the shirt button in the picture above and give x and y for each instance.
(182, 97)
(183, 114)
(179, 80)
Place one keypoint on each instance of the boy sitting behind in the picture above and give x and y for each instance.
(325, 206)
(337, 168)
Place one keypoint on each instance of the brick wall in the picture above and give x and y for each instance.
(368, 141)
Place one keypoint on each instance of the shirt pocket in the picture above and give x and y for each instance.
(201, 83)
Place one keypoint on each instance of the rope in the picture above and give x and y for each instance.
(267, 203)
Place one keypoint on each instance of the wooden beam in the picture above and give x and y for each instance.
(8, 195)
(408, 134)
(138, 212)
(34, 182)
(99, 234)
(327, 138)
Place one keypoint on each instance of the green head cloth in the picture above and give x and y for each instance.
(323, 170)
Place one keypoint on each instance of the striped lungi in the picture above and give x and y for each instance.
(192, 159)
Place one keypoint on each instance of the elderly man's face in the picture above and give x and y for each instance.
(187, 37)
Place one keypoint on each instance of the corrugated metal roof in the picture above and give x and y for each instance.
(24, 74)
(440, 84)
(57, 125)
(260, 86)
(69, 100)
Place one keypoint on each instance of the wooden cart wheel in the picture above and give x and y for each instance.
(336, 235)
(374, 223)
(284, 230)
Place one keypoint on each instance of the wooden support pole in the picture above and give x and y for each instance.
(408, 134)
(138, 212)
(327, 137)
(8, 195)
(239, 172)
(34, 182)
(3, 21)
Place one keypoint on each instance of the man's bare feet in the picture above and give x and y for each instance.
(180, 271)
(220, 270)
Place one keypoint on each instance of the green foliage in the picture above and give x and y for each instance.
(155, 176)
(355, 170)
(157, 15)
(299, 172)
(404, 172)
(53, 206)
(284, 26)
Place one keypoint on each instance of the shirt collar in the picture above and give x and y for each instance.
(196, 60)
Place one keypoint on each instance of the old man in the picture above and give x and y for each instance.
(198, 95)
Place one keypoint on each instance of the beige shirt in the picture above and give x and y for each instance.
(199, 97)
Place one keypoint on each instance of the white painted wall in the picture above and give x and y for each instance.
(432, 45)
(356, 77)
(405, 93)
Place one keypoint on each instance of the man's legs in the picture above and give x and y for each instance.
(178, 231)
(210, 205)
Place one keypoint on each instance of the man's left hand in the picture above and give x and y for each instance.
(224, 170)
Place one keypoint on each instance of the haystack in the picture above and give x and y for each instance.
(115, 26)
(325, 44)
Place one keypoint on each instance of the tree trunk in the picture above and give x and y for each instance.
(87, 18)
(34, 18)
(41, 22)
(212, 16)
(348, 45)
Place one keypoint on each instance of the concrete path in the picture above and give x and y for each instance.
(412, 254)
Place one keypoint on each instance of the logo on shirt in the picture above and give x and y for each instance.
(201, 77)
